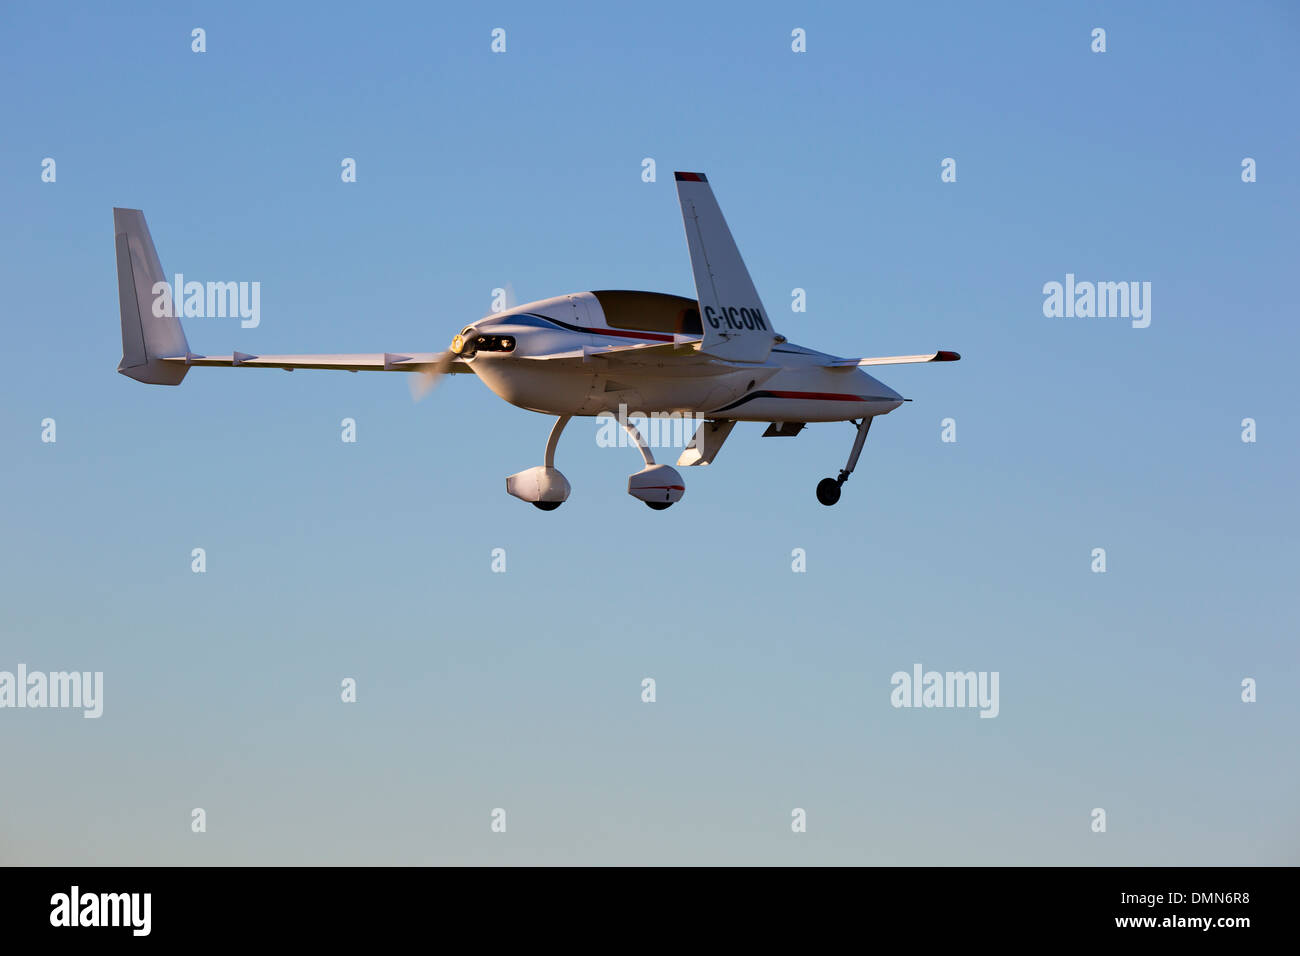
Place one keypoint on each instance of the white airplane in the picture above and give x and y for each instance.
(716, 357)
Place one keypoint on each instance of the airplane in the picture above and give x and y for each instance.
(716, 357)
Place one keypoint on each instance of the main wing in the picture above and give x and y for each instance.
(360, 362)
(154, 348)
(647, 353)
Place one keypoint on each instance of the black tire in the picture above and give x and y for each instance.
(828, 491)
(547, 505)
(659, 505)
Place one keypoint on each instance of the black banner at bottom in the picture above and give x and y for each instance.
(1148, 905)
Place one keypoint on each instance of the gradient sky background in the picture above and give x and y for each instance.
(522, 690)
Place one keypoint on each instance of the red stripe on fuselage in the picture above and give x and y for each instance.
(817, 396)
(652, 336)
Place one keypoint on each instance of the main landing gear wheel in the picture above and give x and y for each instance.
(828, 491)
(657, 485)
(544, 487)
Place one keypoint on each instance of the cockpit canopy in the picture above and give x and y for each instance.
(650, 312)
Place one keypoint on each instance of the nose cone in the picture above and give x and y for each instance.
(882, 393)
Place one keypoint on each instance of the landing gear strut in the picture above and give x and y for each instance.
(828, 489)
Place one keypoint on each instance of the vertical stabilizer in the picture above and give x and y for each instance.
(146, 335)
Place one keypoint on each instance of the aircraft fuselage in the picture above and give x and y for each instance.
(793, 384)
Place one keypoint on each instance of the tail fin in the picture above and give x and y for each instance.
(736, 327)
(146, 335)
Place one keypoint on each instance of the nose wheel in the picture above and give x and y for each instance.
(828, 489)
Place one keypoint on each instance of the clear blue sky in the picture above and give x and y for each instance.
(522, 690)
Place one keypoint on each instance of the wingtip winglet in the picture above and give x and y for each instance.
(942, 356)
